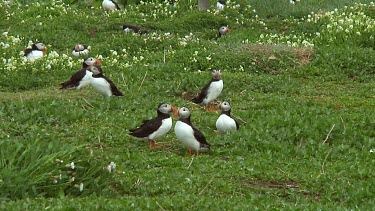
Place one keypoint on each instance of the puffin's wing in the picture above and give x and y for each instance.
(200, 137)
(27, 51)
(202, 94)
(237, 125)
(114, 89)
(117, 7)
(74, 80)
(147, 128)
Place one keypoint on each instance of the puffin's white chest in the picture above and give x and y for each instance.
(219, 6)
(225, 124)
(78, 53)
(108, 5)
(213, 91)
(166, 125)
(102, 86)
(86, 80)
(34, 55)
(185, 134)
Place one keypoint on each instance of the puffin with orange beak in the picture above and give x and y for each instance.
(223, 31)
(211, 91)
(225, 123)
(188, 135)
(157, 127)
(80, 49)
(36, 51)
(80, 79)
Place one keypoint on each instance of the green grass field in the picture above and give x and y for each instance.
(300, 80)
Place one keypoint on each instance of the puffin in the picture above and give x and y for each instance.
(102, 84)
(79, 79)
(157, 127)
(80, 49)
(223, 31)
(211, 91)
(109, 5)
(188, 135)
(225, 123)
(135, 29)
(220, 5)
(36, 51)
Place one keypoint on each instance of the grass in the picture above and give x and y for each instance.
(301, 87)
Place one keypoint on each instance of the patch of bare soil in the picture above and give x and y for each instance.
(303, 54)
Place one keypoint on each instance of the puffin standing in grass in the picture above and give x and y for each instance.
(211, 91)
(80, 49)
(225, 123)
(109, 5)
(188, 135)
(156, 127)
(79, 79)
(102, 84)
(36, 51)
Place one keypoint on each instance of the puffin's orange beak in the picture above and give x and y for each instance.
(98, 62)
(175, 111)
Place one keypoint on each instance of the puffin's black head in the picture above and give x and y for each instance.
(183, 113)
(224, 106)
(96, 70)
(221, 1)
(216, 75)
(90, 62)
(224, 30)
(79, 47)
(166, 108)
(39, 46)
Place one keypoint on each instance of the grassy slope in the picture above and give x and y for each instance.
(286, 112)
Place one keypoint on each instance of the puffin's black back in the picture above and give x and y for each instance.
(74, 80)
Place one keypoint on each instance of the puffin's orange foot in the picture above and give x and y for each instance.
(209, 108)
(154, 145)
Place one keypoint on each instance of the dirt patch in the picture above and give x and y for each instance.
(283, 186)
(187, 96)
(303, 54)
(271, 184)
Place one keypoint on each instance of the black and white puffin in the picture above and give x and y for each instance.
(79, 79)
(102, 84)
(225, 123)
(223, 30)
(156, 127)
(135, 29)
(80, 49)
(110, 5)
(220, 5)
(188, 135)
(36, 51)
(211, 91)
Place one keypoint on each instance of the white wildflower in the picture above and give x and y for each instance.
(111, 167)
(72, 166)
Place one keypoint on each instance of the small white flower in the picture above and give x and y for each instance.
(5, 33)
(81, 187)
(72, 166)
(111, 167)
(372, 150)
